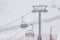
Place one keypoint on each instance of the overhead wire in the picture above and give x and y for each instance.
(20, 17)
(15, 20)
(52, 19)
(15, 34)
(5, 29)
(11, 22)
(10, 28)
(48, 20)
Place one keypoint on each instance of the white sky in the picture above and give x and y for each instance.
(13, 9)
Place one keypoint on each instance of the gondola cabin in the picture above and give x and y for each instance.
(24, 25)
(53, 6)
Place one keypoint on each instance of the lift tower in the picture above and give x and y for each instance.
(39, 9)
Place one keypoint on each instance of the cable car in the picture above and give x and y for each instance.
(53, 6)
(24, 25)
(53, 3)
(30, 33)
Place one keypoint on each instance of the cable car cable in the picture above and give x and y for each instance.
(47, 20)
(14, 20)
(16, 34)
